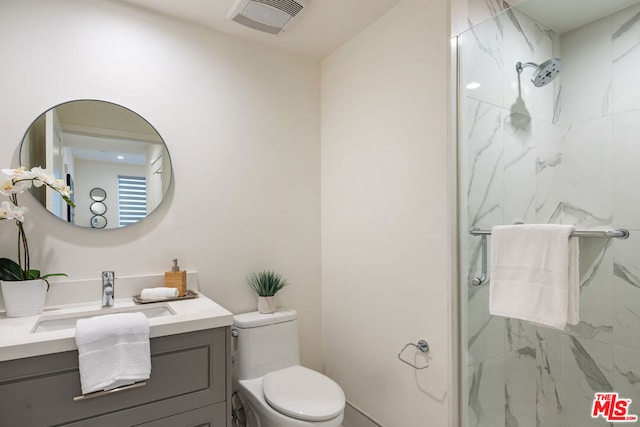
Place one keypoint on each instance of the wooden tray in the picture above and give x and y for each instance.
(189, 295)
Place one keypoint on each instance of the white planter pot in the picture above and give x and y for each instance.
(24, 298)
(266, 305)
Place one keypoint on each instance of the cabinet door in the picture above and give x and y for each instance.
(188, 371)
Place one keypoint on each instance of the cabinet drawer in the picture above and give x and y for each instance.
(209, 416)
(187, 372)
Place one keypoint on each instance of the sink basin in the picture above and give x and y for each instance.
(56, 322)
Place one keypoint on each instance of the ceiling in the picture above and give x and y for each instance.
(322, 27)
(566, 15)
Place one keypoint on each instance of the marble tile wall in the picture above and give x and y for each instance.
(568, 153)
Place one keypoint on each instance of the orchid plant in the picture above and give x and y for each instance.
(14, 182)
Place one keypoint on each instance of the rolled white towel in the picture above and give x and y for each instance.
(158, 293)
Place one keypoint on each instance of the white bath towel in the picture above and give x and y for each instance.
(113, 351)
(158, 293)
(534, 274)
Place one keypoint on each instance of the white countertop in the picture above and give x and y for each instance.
(18, 341)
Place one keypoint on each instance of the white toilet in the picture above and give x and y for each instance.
(274, 389)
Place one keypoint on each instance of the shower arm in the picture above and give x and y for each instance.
(520, 66)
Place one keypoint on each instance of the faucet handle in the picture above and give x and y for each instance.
(107, 277)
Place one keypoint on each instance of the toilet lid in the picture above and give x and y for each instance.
(303, 394)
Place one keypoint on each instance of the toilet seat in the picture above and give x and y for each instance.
(304, 394)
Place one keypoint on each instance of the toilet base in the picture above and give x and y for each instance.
(260, 414)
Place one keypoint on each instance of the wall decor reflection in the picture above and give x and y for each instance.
(98, 221)
(96, 142)
(98, 208)
(97, 194)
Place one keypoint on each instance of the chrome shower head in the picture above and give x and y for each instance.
(544, 73)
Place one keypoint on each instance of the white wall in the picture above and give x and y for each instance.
(241, 122)
(385, 215)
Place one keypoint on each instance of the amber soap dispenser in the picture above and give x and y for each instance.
(176, 279)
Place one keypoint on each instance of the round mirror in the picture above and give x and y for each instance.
(98, 208)
(98, 221)
(98, 194)
(98, 148)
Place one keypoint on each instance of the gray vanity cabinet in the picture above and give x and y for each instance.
(189, 386)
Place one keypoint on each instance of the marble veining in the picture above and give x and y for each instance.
(557, 105)
(606, 100)
(483, 209)
(627, 276)
(594, 376)
(542, 164)
(632, 377)
(589, 331)
(548, 404)
(474, 392)
(515, 162)
(587, 277)
(474, 337)
(519, 29)
(629, 49)
(626, 26)
(492, 52)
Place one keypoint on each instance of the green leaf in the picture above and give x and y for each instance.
(10, 270)
(266, 283)
(33, 274)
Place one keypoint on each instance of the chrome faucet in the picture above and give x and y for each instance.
(108, 286)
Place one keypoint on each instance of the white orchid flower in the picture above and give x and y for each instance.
(65, 190)
(13, 173)
(41, 176)
(5, 210)
(18, 213)
(8, 211)
(9, 187)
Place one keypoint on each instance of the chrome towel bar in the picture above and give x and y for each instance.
(621, 233)
(109, 392)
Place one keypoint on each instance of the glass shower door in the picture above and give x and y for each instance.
(567, 153)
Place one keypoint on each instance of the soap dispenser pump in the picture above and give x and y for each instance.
(176, 279)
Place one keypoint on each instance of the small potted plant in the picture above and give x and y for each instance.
(24, 289)
(266, 284)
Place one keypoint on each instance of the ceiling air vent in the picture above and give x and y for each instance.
(269, 16)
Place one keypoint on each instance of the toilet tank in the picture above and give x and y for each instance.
(265, 343)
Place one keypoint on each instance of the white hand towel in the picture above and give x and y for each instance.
(534, 274)
(113, 351)
(158, 293)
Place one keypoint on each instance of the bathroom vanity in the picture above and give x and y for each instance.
(190, 380)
